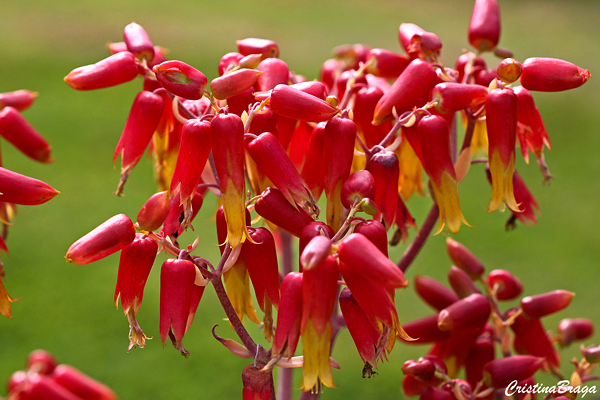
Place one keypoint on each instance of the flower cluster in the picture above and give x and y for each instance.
(46, 379)
(17, 189)
(270, 143)
(467, 324)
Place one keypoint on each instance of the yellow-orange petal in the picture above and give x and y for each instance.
(502, 183)
(446, 195)
(316, 357)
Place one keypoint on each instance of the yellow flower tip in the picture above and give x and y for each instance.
(446, 195)
(317, 365)
(502, 184)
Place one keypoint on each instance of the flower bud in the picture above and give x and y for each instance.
(154, 212)
(80, 384)
(258, 383)
(591, 354)
(425, 45)
(573, 329)
(386, 64)
(461, 64)
(435, 393)
(484, 28)
(464, 259)
(461, 283)
(364, 257)
(411, 89)
(181, 79)
(546, 303)
(233, 83)
(113, 70)
(19, 99)
(260, 257)
(375, 232)
(138, 42)
(315, 252)
(272, 159)
(15, 129)
(506, 285)
(267, 48)
(274, 72)
(500, 372)
(111, 236)
(38, 387)
(357, 186)
(287, 333)
(471, 310)
(313, 170)
(509, 70)
(452, 97)
(293, 103)
(482, 353)
(274, 207)
(20, 189)
(229, 62)
(41, 361)
(406, 31)
(310, 230)
(365, 101)
(425, 330)
(552, 75)
(384, 167)
(434, 293)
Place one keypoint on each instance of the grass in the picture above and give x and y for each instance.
(68, 309)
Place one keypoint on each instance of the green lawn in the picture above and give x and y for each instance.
(68, 309)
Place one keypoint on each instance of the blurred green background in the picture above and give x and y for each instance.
(68, 309)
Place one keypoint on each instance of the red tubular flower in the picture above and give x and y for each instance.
(540, 305)
(531, 336)
(484, 29)
(461, 283)
(233, 83)
(338, 153)
(505, 285)
(501, 372)
(525, 200)
(194, 149)
(411, 89)
(143, 120)
(260, 257)
(274, 72)
(434, 141)
(452, 97)
(364, 334)
(80, 384)
(138, 42)
(227, 132)
(275, 208)
(293, 103)
(385, 63)
(179, 298)
(501, 109)
(19, 132)
(19, 99)
(181, 79)
(20, 189)
(289, 317)
(154, 211)
(319, 287)
(312, 229)
(403, 220)
(172, 223)
(315, 252)
(258, 383)
(530, 129)
(384, 167)
(313, 170)
(464, 259)
(265, 47)
(272, 159)
(434, 293)
(360, 254)
(552, 75)
(468, 311)
(135, 264)
(41, 361)
(113, 70)
(365, 101)
(459, 345)
(111, 236)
